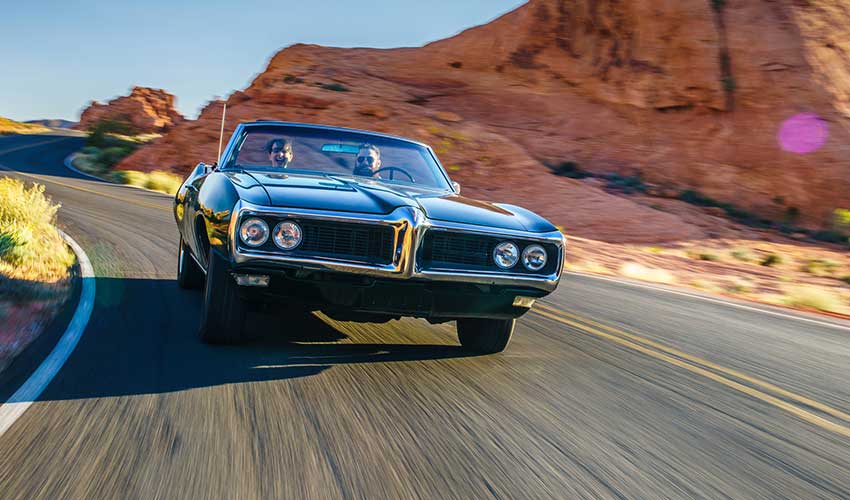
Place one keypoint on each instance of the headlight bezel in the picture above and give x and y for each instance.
(293, 224)
(250, 221)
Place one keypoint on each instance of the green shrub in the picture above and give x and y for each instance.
(771, 260)
(15, 244)
(627, 184)
(741, 254)
(102, 134)
(846, 279)
(792, 215)
(820, 267)
(90, 150)
(829, 236)
(110, 156)
(696, 198)
(569, 169)
(708, 256)
(336, 87)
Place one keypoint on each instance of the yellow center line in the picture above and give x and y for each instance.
(767, 398)
(714, 366)
(78, 188)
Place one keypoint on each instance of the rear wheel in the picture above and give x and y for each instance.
(486, 336)
(223, 314)
(189, 273)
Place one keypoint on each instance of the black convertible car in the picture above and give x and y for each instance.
(361, 226)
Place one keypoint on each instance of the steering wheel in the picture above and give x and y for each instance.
(394, 169)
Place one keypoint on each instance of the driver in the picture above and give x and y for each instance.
(280, 152)
(368, 161)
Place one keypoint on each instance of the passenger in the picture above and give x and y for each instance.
(368, 161)
(280, 152)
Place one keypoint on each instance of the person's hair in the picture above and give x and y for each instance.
(286, 144)
(373, 148)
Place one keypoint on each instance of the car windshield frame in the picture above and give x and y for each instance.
(440, 178)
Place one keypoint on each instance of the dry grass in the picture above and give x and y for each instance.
(30, 247)
(164, 182)
(8, 126)
(637, 271)
(586, 267)
(811, 297)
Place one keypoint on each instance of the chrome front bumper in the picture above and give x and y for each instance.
(410, 226)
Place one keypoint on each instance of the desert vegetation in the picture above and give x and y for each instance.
(30, 247)
(773, 270)
(34, 265)
(8, 127)
(110, 142)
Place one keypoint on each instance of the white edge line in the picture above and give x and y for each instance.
(18, 403)
(730, 303)
(69, 164)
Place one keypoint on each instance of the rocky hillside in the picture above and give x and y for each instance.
(743, 103)
(145, 110)
(8, 127)
(53, 123)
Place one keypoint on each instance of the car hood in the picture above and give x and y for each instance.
(329, 193)
(345, 194)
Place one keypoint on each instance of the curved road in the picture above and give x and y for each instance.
(609, 390)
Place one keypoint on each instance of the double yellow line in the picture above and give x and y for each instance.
(720, 374)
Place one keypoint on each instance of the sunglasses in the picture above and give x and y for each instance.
(366, 159)
(276, 151)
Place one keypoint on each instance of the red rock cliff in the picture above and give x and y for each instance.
(145, 110)
(691, 94)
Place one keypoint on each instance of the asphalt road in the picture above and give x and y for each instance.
(607, 391)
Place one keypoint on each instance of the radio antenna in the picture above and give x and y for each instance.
(221, 133)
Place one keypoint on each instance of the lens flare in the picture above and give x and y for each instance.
(803, 133)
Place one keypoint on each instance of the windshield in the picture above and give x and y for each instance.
(335, 152)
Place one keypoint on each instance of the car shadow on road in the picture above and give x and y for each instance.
(142, 338)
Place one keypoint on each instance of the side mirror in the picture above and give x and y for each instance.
(456, 187)
(200, 170)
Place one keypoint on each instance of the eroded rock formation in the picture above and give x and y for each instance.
(145, 110)
(688, 95)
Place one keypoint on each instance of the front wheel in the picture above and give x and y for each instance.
(223, 314)
(486, 336)
(189, 273)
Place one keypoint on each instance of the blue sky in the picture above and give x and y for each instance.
(56, 56)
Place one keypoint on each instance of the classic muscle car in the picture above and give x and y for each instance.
(361, 226)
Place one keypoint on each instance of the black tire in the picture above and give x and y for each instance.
(190, 276)
(223, 312)
(485, 336)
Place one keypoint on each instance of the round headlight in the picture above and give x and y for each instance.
(287, 235)
(506, 255)
(534, 257)
(254, 232)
